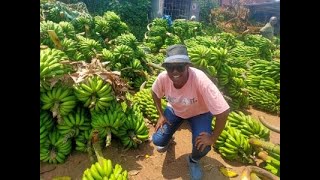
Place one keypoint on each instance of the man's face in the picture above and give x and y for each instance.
(273, 20)
(177, 72)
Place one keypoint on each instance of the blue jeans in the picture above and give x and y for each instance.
(199, 123)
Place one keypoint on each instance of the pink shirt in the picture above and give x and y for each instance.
(199, 95)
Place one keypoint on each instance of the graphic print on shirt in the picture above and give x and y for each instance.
(184, 101)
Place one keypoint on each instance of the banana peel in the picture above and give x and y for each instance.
(228, 172)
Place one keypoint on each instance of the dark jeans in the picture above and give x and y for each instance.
(198, 124)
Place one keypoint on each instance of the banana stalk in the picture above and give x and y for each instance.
(97, 147)
(269, 126)
(265, 145)
(264, 174)
(55, 39)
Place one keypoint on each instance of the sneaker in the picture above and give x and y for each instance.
(195, 170)
(162, 149)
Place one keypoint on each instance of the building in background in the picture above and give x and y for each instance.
(177, 9)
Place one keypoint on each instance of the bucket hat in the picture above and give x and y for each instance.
(177, 54)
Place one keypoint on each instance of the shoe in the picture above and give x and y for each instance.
(194, 169)
(162, 149)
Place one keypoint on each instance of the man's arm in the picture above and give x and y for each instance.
(157, 102)
(221, 120)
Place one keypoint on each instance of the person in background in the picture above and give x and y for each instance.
(268, 30)
(192, 97)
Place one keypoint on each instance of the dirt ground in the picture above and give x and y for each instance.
(156, 166)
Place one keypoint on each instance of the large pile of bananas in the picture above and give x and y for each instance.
(105, 170)
(144, 101)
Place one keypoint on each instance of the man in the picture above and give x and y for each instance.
(268, 30)
(191, 97)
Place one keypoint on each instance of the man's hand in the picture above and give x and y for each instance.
(161, 121)
(203, 140)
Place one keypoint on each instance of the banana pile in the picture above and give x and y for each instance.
(105, 170)
(264, 100)
(55, 149)
(60, 101)
(247, 125)
(144, 101)
(94, 93)
(233, 145)
(134, 131)
(73, 123)
(50, 65)
(108, 121)
(225, 40)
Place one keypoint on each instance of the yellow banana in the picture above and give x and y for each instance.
(227, 172)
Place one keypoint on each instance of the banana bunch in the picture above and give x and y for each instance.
(83, 24)
(123, 54)
(144, 101)
(218, 57)
(60, 101)
(237, 103)
(224, 40)
(264, 100)
(105, 170)
(266, 69)
(171, 40)
(69, 46)
(160, 22)
(201, 40)
(134, 131)
(248, 126)
(200, 55)
(235, 87)
(50, 65)
(55, 150)
(234, 146)
(46, 125)
(82, 140)
(150, 81)
(95, 93)
(88, 47)
(68, 30)
(238, 62)
(265, 46)
(245, 51)
(225, 73)
(212, 71)
(273, 165)
(127, 39)
(107, 55)
(73, 123)
(108, 122)
(44, 35)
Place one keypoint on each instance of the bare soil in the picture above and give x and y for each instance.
(145, 163)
